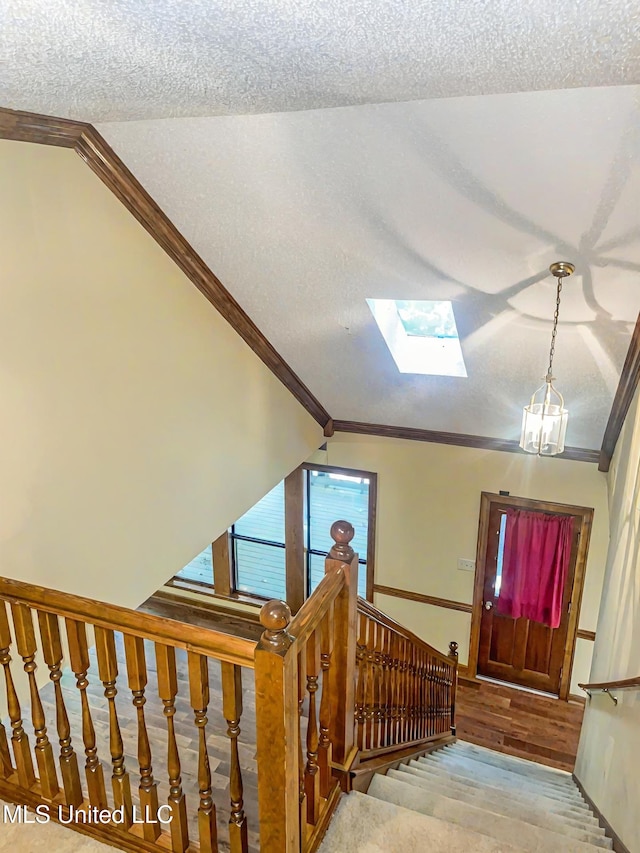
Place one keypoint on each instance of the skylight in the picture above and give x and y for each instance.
(421, 335)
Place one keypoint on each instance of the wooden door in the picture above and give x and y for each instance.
(520, 651)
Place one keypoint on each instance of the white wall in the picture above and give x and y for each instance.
(428, 509)
(135, 424)
(607, 763)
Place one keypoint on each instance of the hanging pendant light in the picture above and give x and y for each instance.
(544, 420)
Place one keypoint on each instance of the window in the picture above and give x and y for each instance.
(257, 539)
(258, 547)
(422, 336)
(332, 495)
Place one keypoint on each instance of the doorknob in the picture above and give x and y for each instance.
(488, 605)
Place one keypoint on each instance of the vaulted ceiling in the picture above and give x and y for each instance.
(355, 173)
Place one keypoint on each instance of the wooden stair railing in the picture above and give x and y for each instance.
(68, 627)
(383, 691)
(405, 689)
(307, 662)
(340, 685)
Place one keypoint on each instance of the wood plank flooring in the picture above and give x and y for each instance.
(517, 722)
(187, 737)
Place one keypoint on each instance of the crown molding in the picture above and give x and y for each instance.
(576, 454)
(101, 159)
(624, 395)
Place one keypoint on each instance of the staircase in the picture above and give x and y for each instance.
(466, 798)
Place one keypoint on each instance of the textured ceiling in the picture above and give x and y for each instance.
(133, 59)
(304, 215)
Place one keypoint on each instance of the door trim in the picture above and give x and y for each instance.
(585, 516)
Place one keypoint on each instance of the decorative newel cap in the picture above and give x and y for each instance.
(275, 617)
(453, 649)
(342, 533)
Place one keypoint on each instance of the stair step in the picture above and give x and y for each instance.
(503, 778)
(562, 785)
(504, 828)
(548, 775)
(512, 762)
(446, 777)
(530, 811)
(364, 824)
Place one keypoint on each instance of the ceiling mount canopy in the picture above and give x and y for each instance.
(544, 420)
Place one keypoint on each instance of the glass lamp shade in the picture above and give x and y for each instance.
(543, 428)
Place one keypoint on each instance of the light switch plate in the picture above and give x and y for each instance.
(466, 565)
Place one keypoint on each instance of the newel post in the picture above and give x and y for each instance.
(277, 732)
(343, 670)
(453, 654)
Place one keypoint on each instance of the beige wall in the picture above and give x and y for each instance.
(607, 763)
(136, 425)
(428, 507)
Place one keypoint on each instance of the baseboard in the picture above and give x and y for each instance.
(618, 845)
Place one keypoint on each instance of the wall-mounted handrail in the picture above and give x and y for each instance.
(608, 686)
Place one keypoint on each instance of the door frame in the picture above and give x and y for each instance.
(488, 500)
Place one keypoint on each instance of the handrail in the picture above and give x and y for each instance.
(608, 686)
(203, 641)
(365, 607)
(313, 611)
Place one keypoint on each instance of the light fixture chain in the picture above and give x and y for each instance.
(552, 350)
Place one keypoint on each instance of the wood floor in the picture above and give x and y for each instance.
(520, 723)
(217, 740)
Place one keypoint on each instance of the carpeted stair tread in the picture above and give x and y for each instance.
(503, 778)
(558, 806)
(556, 786)
(511, 762)
(493, 799)
(364, 824)
(509, 830)
(529, 812)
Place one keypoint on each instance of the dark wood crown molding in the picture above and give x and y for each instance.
(624, 395)
(577, 454)
(100, 157)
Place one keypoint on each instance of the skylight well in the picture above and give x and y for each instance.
(421, 335)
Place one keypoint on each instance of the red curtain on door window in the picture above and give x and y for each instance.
(537, 551)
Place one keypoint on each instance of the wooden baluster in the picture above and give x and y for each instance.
(418, 687)
(386, 688)
(406, 698)
(433, 696)
(312, 779)
(108, 672)
(168, 690)
(302, 793)
(377, 696)
(6, 767)
(147, 789)
(395, 692)
(79, 659)
(421, 698)
(199, 697)
(370, 684)
(52, 654)
(425, 695)
(360, 692)
(453, 654)
(324, 741)
(232, 711)
(412, 691)
(26, 645)
(19, 739)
